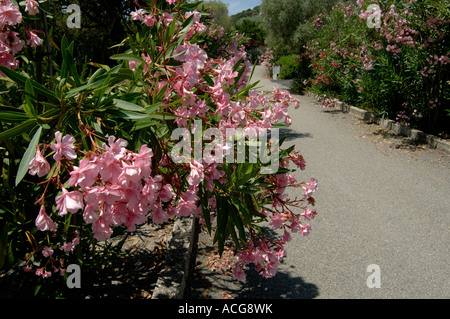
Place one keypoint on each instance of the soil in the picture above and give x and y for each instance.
(131, 275)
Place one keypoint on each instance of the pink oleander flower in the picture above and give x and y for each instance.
(310, 188)
(116, 147)
(286, 236)
(63, 147)
(197, 175)
(143, 160)
(69, 202)
(9, 14)
(171, 1)
(299, 161)
(137, 15)
(238, 272)
(6, 59)
(185, 208)
(44, 222)
(39, 271)
(306, 229)
(34, 40)
(47, 251)
(130, 175)
(197, 15)
(75, 241)
(160, 216)
(166, 193)
(196, 55)
(277, 221)
(69, 247)
(309, 213)
(101, 229)
(85, 175)
(32, 7)
(167, 18)
(38, 165)
(12, 41)
(149, 21)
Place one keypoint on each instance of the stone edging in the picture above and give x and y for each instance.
(415, 135)
(173, 279)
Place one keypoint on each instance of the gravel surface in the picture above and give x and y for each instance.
(381, 200)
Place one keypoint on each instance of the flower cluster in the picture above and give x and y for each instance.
(54, 260)
(327, 102)
(10, 41)
(266, 253)
(268, 59)
(116, 183)
(393, 66)
(112, 187)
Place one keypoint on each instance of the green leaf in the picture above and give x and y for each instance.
(164, 116)
(221, 233)
(68, 60)
(127, 57)
(28, 106)
(239, 205)
(129, 115)
(144, 124)
(208, 80)
(21, 80)
(189, 6)
(18, 129)
(111, 77)
(237, 221)
(3, 244)
(127, 106)
(246, 171)
(12, 116)
(205, 208)
(28, 156)
(36, 289)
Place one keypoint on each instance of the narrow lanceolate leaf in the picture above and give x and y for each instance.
(27, 125)
(28, 106)
(12, 116)
(21, 80)
(128, 106)
(126, 57)
(28, 156)
(18, 129)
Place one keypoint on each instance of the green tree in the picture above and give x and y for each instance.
(249, 14)
(220, 11)
(284, 22)
(103, 24)
(254, 36)
(253, 31)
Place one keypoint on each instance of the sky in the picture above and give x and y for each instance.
(236, 6)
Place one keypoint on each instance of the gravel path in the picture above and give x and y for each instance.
(381, 200)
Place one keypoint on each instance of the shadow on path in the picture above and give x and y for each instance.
(292, 134)
(281, 286)
(215, 281)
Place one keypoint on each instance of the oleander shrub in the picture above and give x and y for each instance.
(173, 129)
(289, 66)
(397, 66)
